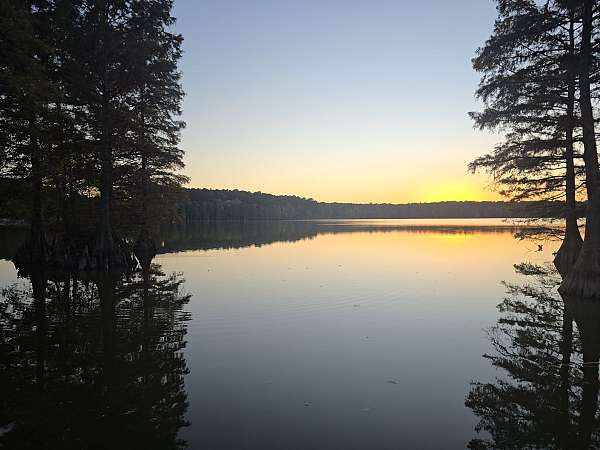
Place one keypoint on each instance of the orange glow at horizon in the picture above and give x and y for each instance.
(382, 174)
(469, 188)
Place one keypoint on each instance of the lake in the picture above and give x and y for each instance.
(358, 334)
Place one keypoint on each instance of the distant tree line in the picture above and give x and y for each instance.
(89, 102)
(189, 206)
(539, 87)
(221, 204)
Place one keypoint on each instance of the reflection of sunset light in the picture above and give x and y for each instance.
(383, 254)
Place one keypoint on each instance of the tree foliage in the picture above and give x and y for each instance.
(89, 105)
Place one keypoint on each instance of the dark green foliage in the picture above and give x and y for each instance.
(90, 96)
(528, 87)
(155, 105)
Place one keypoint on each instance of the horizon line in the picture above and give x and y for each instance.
(413, 202)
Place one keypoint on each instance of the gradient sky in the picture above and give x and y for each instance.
(338, 100)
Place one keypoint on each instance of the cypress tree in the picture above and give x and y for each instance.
(26, 95)
(528, 88)
(584, 278)
(103, 81)
(155, 102)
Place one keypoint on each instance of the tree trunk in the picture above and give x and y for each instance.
(144, 231)
(105, 239)
(571, 246)
(37, 246)
(106, 255)
(584, 278)
(145, 248)
(61, 179)
(144, 158)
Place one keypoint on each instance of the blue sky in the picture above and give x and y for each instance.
(335, 100)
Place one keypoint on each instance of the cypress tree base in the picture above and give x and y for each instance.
(113, 258)
(583, 280)
(567, 254)
(144, 250)
(72, 256)
(31, 257)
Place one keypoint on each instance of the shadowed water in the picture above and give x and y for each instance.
(295, 335)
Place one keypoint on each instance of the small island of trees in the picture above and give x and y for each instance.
(90, 98)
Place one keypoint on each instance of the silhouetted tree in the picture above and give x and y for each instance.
(27, 94)
(156, 104)
(584, 278)
(528, 87)
(90, 95)
(104, 81)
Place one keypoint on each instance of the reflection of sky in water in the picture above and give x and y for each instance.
(339, 334)
(362, 340)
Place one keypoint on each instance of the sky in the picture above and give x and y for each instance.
(336, 100)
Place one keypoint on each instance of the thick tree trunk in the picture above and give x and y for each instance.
(145, 175)
(571, 246)
(108, 256)
(144, 231)
(145, 248)
(62, 183)
(105, 238)
(37, 247)
(567, 254)
(584, 278)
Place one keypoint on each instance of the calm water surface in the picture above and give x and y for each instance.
(293, 335)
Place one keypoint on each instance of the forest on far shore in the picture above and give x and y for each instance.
(194, 205)
(222, 204)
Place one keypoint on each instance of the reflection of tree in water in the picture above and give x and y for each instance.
(547, 394)
(226, 235)
(95, 364)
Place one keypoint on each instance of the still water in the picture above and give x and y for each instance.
(384, 334)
